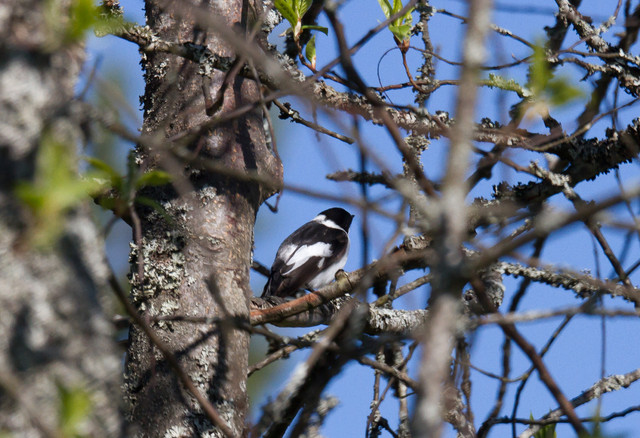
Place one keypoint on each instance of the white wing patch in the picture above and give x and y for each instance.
(285, 252)
(329, 274)
(304, 253)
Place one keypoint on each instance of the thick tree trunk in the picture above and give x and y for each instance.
(56, 342)
(198, 263)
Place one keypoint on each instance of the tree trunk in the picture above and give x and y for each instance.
(196, 264)
(56, 345)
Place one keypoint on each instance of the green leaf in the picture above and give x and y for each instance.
(55, 188)
(116, 180)
(75, 406)
(310, 51)
(562, 91)
(153, 178)
(111, 20)
(400, 27)
(322, 29)
(539, 71)
(545, 88)
(293, 11)
(397, 6)
(102, 166)
(83, 16)
(286, 8)
(302, 6)
(386, 8)
(548, 431)
(402, 32)
(406, 18)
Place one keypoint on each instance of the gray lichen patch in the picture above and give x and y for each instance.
(207, 194)
(163, 266)
(201, 374)
(168, 308)
(178, 431)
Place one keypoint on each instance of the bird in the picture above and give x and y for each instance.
(310, 257)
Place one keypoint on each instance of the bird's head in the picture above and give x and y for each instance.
(339, 216)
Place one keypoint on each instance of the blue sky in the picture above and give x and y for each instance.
(307, 157)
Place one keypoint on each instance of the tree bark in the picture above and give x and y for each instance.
(197, 263)
(56, 341)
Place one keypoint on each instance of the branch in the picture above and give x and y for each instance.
(511, 331)
(625, 74)
(582, 284)
(546, 225)
(589, 157)
(311, 377)
(284, 75)
(537, 315)
(312, 309)
(274, 309)
(545, 422)
(452, 213)
(608, 384)
(390, 371)
(361, 177)
(287, 113)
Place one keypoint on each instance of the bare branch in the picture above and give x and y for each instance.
(608, 384)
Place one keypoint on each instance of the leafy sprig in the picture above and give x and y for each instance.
(400, 27)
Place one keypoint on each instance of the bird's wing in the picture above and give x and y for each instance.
(302, 256)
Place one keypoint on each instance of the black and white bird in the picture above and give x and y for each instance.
(310, 257)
